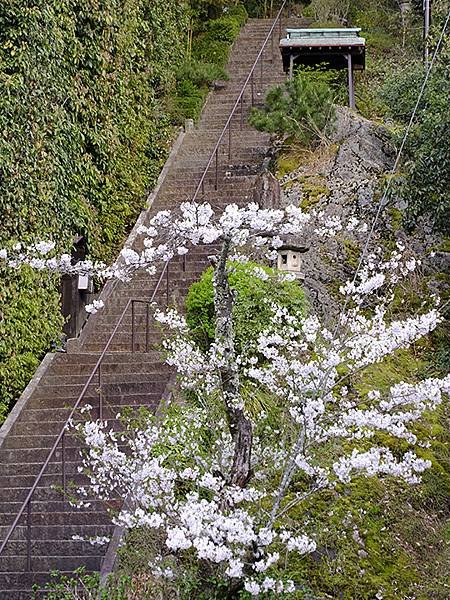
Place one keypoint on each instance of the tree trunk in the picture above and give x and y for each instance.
(240, 426)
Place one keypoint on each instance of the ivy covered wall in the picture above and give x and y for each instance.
(84, 132)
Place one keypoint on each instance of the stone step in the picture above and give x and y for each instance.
(137, 397)
(51, 563)
(31, 468)
(128, 379)
(85, 369)
(121, 388)
(42, 494)
(111, 406)
(50, 548)
(17, 586)
(146, 373)
(57, 503)
(57, 532)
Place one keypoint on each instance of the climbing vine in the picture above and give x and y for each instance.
(92, 93)
(84, 132)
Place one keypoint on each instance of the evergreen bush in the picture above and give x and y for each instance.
(301, 109)
(252, 308)
(210, 53)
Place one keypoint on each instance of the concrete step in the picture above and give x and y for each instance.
(124, 386)
(144, 374)
(56, 547)
(44, 507)
(51, 563)
(17, 586)
(139, 365)
(58, 532)
(111, 406)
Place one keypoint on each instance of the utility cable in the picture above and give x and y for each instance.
(381, 203)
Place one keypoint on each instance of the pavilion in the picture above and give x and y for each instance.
(335, 48)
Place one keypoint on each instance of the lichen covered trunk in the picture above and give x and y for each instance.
(240, 425)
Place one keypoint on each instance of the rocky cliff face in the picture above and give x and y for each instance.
(346, 179)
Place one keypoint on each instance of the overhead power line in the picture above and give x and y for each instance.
(382, 201)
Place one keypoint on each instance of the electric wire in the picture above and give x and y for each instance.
(381, 203)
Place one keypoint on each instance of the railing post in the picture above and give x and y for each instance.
(147, 326)
(167, 285)
(242, 111)
(63, 463)
(29, 535)
(252, 82)
(132, 326)
(100, 395)
(261, 68)
(184, 263)
(216, 183)
(229, 141)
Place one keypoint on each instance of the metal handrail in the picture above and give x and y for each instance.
(60, 438)
(26, 505)
(239, 101)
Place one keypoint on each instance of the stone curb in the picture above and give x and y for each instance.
(25, 396)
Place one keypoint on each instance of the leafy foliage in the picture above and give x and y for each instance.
(426, 182)
(83, 134)
(301, 109)
(210, 52)
(84, 586)
(91, 93)
(252, 307)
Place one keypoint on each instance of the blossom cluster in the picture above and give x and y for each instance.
(173, 476)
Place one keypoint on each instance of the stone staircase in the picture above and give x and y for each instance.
(128, 378)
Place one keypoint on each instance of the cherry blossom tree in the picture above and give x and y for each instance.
(217, 481)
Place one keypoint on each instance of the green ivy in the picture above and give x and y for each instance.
(91, 91)
(84, 133)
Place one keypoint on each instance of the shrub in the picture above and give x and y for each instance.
(208, 49)
(251, 310)
(328, 11)
(224, 29)
(188, 101)
(210, 52)
(201, 74)
(426, 164)
(301, 108)
(213, 45)
(83, 586)
(239, 13)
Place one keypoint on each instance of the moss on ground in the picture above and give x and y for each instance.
(352, 253)
(396, 219)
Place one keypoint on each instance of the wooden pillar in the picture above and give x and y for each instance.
(291, 66)
(351, 84)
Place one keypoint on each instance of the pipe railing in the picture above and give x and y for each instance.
(61, 438)
(239, 104)
(26, 507)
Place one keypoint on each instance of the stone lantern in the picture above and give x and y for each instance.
(289, 259)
